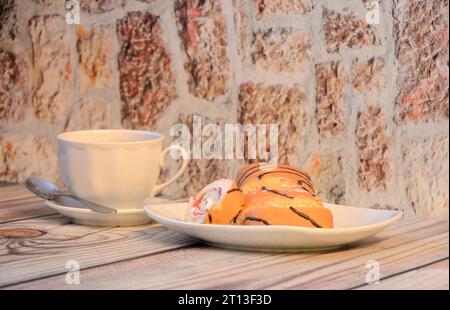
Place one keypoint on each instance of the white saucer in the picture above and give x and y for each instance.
(127, 217)
(351, 225)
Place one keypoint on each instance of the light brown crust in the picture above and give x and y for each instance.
(254, 176)
(285, 208)
(279, 181)
(285, 216)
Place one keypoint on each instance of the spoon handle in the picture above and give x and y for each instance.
(91, 205)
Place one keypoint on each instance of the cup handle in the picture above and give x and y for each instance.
(185, 157)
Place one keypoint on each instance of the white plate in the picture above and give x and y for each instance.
(351, 225)
(128, 217)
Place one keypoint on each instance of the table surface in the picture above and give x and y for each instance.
(36, 243)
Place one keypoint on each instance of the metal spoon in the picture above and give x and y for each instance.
(49, 191)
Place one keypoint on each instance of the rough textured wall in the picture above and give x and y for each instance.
(364, 108)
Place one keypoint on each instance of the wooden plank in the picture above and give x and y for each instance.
(53, 228)
(12, 192)
(16, 210)
(430, 277)
(17, 203)
(402, 247)
(391, 261)
(95, 249)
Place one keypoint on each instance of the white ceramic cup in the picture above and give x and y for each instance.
(115, 168)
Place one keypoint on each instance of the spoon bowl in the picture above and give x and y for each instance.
(49, 191)
(43, 188)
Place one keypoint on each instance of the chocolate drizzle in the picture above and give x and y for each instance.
(245, 176)
(300, 174)
(276, 192)
(210, 217)
(301, 182)
(261, 166)
(234, 190)
(236, 216)
(305, 216)
(256, 219)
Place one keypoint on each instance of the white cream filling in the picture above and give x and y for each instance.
(206, 198)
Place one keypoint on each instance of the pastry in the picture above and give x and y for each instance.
(263, 194)
(217, 203)
(294, 208)
(253, 177)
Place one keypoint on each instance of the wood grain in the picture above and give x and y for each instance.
(56, 227)
(16, 233)
(434, 276)
(17, 203)
(90, 250)
(14, 192)
(405, 246)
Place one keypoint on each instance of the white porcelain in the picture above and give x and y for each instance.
(117, 168)
(130, 217)
(351, 225)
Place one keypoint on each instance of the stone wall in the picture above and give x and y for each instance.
(363, 107)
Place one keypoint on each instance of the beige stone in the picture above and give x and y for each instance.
(421, 36)
(275, 104)
(52, 72)
(277, 8)
(94, 48)
(281, 50)
(14, 87)
(22, 156)
(373, 143)
(100, 6)
(326, 171)
(426, 164)
(8, 20)
(330, 82)
(347, 30)
(88, 114)
(146, 81)
(368, 75)
(202, 30)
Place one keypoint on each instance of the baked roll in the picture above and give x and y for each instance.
(217, 203)
(263, 194)
(253, 177)
(291, 207)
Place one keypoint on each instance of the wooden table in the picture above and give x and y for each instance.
(36, 243)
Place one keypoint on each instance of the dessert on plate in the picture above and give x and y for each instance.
(263, 194)
(217, 203)
(272, 207)
(277, 177)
